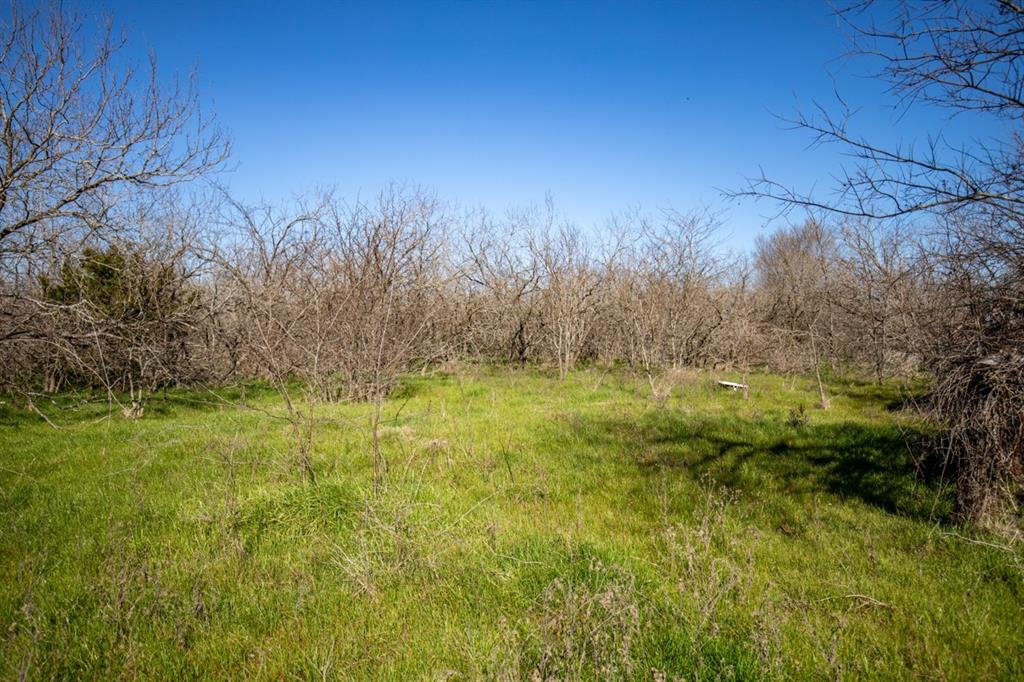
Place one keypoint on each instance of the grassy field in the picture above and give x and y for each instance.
(529, 529)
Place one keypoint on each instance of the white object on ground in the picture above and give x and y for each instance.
(732, 385)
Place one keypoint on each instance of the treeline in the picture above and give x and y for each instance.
(344, 297)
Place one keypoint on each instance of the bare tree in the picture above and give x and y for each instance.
(388, 267)
(505, 278)
(265, 263)
(663, 291)
(335, 301)
(85, 144)
(78, 134)
(875, 286)
(795, 270)
(570, 282)
(743, 342)
(967, 201)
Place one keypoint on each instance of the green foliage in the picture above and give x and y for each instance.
(529, 526)
(121, 319)
(120, 284)
(798, 418)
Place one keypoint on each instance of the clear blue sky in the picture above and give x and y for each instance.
(494, 104)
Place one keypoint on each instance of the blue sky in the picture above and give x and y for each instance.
(494, 104)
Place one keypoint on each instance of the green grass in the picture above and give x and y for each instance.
(576, 529)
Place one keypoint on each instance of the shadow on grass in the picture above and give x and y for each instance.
(70, 408)
(876, 464)
(893, 396)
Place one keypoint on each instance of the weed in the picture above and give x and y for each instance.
(577, 631)
(798, 418)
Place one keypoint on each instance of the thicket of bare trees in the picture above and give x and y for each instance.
(966, 199)
(340, 299)
(117, 272)
(89, 151)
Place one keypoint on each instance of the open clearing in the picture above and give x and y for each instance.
(572, 529)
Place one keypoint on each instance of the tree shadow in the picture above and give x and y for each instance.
(892, 396)
(89, 405)
(878, 464)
